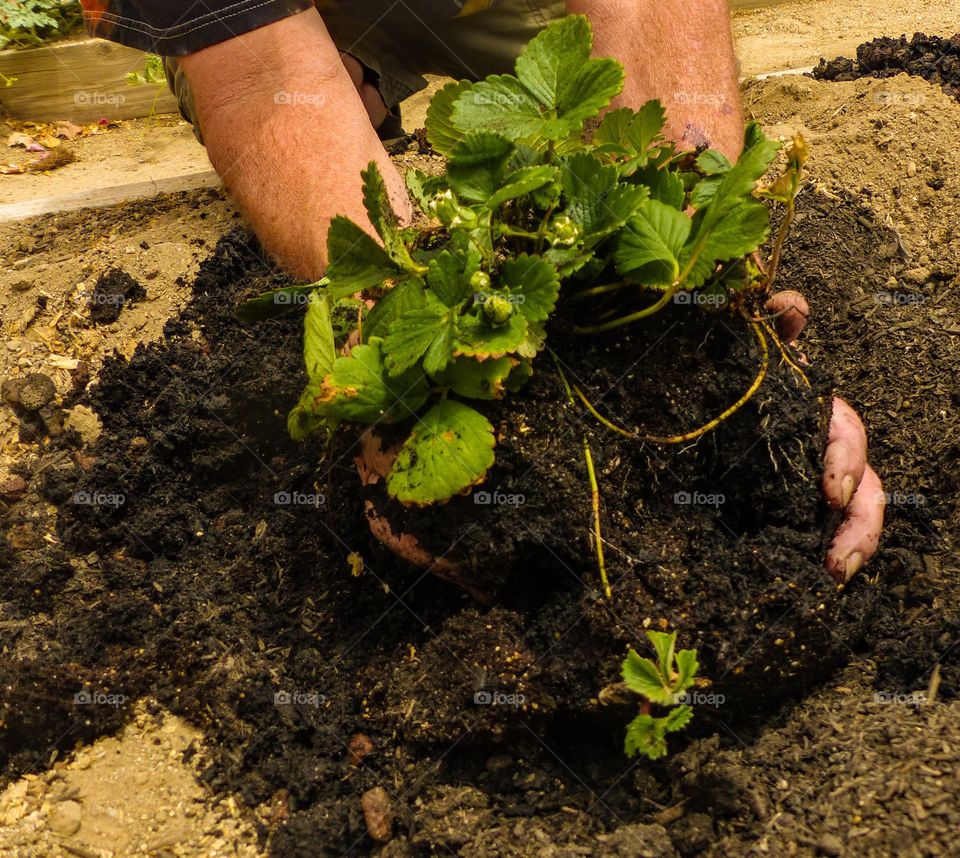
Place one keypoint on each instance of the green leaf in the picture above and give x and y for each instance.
(269, 304)
(519, 376)
(523, 181)
(705, 191)
(648, 249)
(449, 450)
(740, 180)
(591, 89)
(479, 339)
(677, 718)
(663, 644)
(554, 57)
(612, 131)
(533, 342)
(407, 295)
(712, 162)
(665, 185)
(475, 170)
(556, 68)
(647, 126)
(319, 349)
(642, 676)
(499, 104)
(534, 285)
(446, 278)
(646, 735)
(412, 334)
(355, 261)
(687, 667)
(441, 132)
(360, 389)
(739, 232)
(376, 201)
(631, 132)
(476, 379)
(303, 420)
(424, 187)
(594, 200)
(440, 351)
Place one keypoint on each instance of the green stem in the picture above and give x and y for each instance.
(593, 291)
(633, 317)
(594, 487)
(517, 233)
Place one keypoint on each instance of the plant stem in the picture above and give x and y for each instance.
(594, 487)
(595, 502)
(633, 317)
(608, 423)
(778, 244)
(771, 332)
(517, 233)
(593, 291)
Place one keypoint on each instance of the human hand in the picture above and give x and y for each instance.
(849, 483)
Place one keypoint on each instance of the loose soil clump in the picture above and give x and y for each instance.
(935, 59)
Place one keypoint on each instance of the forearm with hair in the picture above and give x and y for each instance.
(288, 133)
(680, 52)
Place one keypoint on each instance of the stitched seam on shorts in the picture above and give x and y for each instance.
(175, 32)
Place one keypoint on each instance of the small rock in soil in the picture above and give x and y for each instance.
(378, 814)
(85, 423)
(830, 844)
(29, 392)
(360, 746)
(12, 489)
(65, 818)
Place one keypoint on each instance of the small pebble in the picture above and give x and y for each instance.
(65, 818)
(830, 844)
(378, 814)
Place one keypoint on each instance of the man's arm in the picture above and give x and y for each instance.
(680, 52)
(287, 131)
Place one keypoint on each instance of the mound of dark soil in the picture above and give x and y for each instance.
(933, 58)
(216, 580)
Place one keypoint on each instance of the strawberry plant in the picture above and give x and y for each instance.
(660, 684)
(539, 197)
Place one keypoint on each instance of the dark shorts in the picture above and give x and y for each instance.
(398, 47)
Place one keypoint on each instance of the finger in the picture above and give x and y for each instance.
(856, 539)
(793, 311)
(846, 455)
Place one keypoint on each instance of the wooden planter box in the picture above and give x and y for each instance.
(81, 81)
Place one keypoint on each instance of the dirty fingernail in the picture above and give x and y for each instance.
(853, 564)
(846, 489)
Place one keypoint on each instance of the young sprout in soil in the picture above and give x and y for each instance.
(661, 685)
(528, 205)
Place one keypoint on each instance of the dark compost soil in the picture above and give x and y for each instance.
(933, 58)
(208, 592)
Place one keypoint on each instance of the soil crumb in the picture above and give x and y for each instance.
(114, 289)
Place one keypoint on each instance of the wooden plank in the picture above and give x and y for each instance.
(81, 81)
(102, 197)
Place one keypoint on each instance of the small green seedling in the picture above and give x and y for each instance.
(152, 72)
(662, 684)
